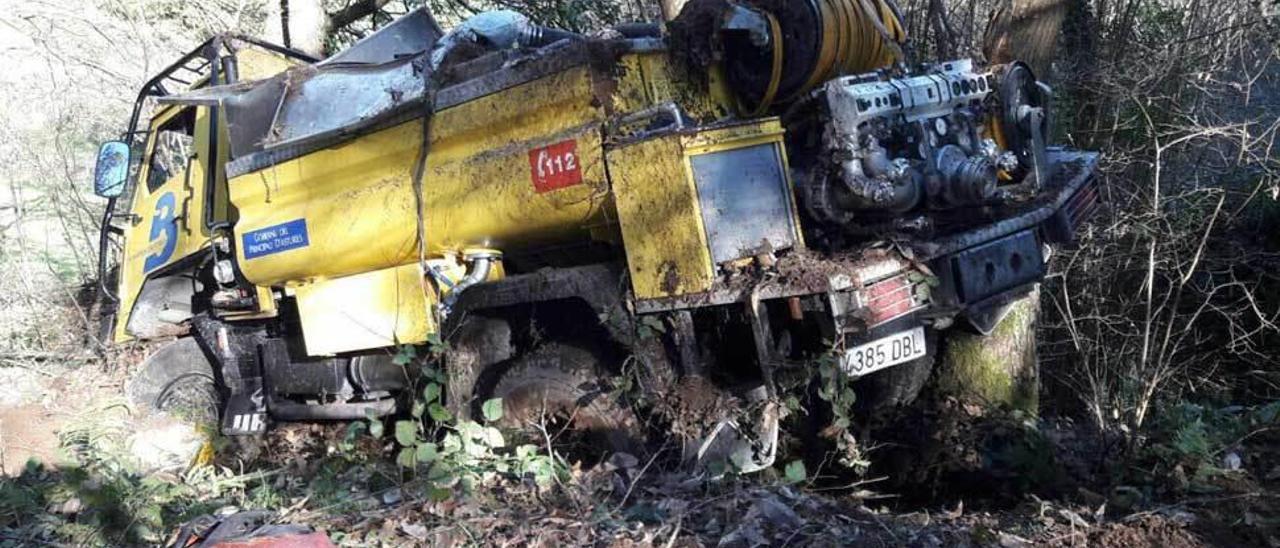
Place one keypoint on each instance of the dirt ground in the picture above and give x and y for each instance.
(29, 418)
(38, 410)
(631, 505)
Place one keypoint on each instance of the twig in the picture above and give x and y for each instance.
(1193, 502)
(636, 479)
(28, 367)
(672, 541)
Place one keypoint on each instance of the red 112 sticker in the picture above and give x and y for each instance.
(555, 166)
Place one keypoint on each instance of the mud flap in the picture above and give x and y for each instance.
(234, 348)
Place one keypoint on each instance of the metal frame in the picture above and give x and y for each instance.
(206, 69)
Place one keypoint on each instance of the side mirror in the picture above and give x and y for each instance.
(112, 170)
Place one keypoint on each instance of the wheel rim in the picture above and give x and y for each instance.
(191, 396)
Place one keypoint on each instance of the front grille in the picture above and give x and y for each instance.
(891, 298)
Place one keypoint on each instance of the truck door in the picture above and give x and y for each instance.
(167, 221)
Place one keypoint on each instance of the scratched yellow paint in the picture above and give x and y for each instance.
(146, 234)
(653, 78)
(167, 223)
(359, 206)
(662, 229)
(375, 309)
(358, 282)
(661, 218)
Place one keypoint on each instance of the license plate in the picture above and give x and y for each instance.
(885, 352)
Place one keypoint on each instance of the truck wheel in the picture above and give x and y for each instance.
(561, 393)
(899, 385)
(177, 379)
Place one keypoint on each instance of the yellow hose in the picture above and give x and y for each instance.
(853, 41)
(775, 71)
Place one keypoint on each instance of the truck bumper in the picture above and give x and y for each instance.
(964, 273)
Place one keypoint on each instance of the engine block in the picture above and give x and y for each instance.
(894, 145)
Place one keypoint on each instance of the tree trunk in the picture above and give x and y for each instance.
(998, 370)
(671, 8)
(300, 24)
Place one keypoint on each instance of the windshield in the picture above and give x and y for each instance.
(173, 148)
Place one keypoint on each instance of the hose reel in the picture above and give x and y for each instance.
(806, 43)
(1024, 119)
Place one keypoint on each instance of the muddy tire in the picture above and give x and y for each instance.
(177, 379)
(899, 385)
(564, 389)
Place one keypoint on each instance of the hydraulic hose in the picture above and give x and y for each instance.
(810, 42)
(854, 40)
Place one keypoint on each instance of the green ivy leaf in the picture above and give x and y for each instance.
(439, 413)
(354, 429)
(418, 409)
(492, 409)
(654, 323)
(405, 355)
(795, 472)
(452, 443)
(431, 393)
(544, 472)
(439, 494)
(429, 370)
(525, 451)
(848, 396)
(407, 457)
(493, 437)
(375, 428)
(427, 452)
(406, 432)
(469, 430)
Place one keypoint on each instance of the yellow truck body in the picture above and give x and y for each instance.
(545, 210)
(167, 209)
(356, 201)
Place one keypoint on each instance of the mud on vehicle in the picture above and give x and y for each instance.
(633, 234)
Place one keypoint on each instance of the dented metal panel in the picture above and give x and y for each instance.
(372, 310)
(338, 97)
(374, 80)
(410, 35)
(666, 244)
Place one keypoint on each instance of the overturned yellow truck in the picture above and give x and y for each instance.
(635, 233)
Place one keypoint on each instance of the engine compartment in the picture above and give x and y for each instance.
(878, 154)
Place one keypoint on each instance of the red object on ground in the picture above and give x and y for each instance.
(306, 540)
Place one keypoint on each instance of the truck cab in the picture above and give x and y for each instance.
(166, 186)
